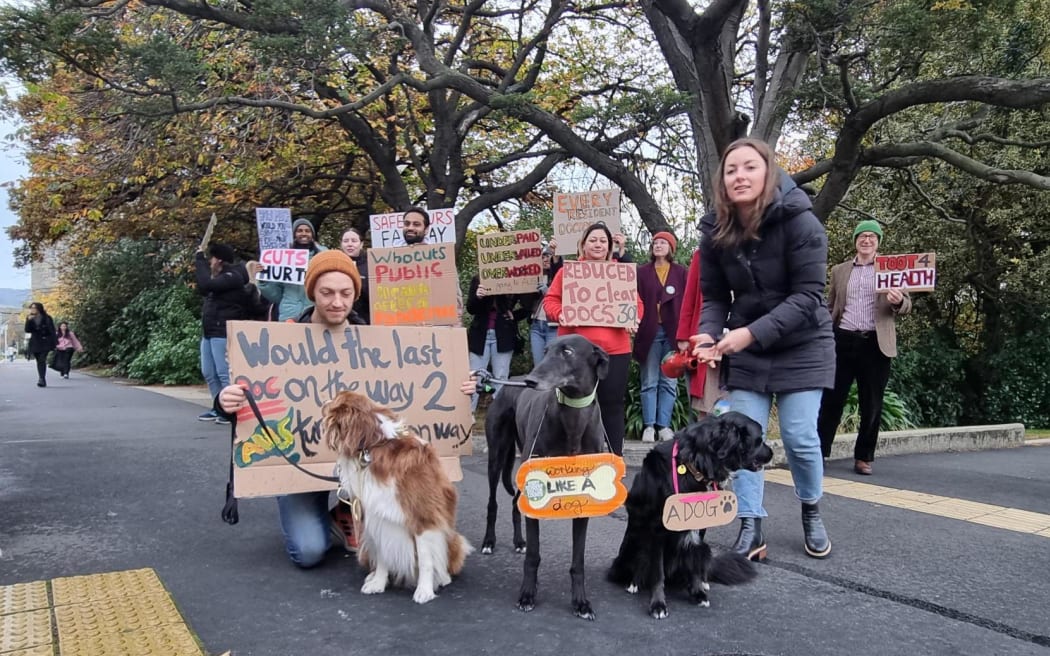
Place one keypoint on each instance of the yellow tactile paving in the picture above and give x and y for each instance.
(130, 583)
(22, 597)
(1011, 519)
(111, 614)
(26, 630)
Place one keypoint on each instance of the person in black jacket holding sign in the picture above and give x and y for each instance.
(227, 297)
(493, 333)
(42, 339)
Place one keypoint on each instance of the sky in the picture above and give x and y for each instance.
(12, 167)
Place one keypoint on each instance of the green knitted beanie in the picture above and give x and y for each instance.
(868, 226)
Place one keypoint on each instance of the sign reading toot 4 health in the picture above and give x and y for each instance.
(916, 272)
(386, 228)
(574, 212)
(599, 294)
(510, 262)
(292, 369)
(414, 286)
(570, 487)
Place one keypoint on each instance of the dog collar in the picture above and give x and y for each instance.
(680, 469)
(575, 403)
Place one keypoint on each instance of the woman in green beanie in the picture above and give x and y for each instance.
(865, 343)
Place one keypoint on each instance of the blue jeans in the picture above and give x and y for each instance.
(306, 527)
(540, 334)
(213, 364)
(798, 431)
(500, 363)
(658, 391)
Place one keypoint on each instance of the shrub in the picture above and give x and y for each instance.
(681, 416)
(895, 413)
(158, 334)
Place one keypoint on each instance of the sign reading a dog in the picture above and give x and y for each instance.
(414, 285)
(699, 510)
(600, 294)
(293, 369)
(510, 262)
(571, 487)
(914, 272)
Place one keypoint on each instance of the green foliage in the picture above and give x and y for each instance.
(167, 318)
(929, 374)
(1019, 386)
(895, 413)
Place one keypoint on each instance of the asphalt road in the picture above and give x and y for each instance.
(97, 477)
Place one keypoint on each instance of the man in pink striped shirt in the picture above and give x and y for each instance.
(865, 343)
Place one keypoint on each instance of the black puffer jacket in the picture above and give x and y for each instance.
(226, 296)
(42, 335)
(514, 305)
(775, 287)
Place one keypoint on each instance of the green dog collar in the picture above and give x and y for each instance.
(575, 403)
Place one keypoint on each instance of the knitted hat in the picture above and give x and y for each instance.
(868, 225)
(669, 238)
(326, 262)
(223, 252)
(305, 222)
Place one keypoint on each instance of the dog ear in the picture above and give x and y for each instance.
(601, 368)
(350, 424)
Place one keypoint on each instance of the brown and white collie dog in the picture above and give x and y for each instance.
(408, 504)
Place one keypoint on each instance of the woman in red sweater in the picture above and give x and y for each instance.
(612, 390)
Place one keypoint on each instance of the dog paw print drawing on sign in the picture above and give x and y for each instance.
(699, 510)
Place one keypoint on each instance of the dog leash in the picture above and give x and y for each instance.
(269, 435)
(485, 379)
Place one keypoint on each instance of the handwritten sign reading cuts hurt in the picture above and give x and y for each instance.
(510, 262)
(386, 228)
(574, 212)
(275, 227)
(413, 285)
(599, 294)
(292, 369)
(915, 272)
(570, 487)
(283, 265)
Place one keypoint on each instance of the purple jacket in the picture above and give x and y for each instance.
(651, 291)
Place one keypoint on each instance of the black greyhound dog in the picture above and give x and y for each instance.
(555, 415)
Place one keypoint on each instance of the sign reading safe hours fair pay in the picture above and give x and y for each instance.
(915, 272)
(599, 294)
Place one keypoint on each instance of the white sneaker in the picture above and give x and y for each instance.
(648, 435)
(665, 434)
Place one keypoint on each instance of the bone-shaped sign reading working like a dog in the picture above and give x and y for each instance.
(571, 486)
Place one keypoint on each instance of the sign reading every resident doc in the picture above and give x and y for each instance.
(915, 272)
(292, 369)
(414, 285)
(510, 262)
(599, 294)
(574, 212)
(274, 225)
(386, 228)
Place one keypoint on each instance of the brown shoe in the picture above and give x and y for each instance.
(862, 468)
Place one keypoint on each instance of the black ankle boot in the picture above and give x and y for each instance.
(750, 542)
(817, 543)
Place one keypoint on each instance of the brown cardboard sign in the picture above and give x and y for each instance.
(699, 510)
(293, 369)
(413, 285)
(574, 212)
(510, 262)
(914, 272)
(570, 487)
(599, 294)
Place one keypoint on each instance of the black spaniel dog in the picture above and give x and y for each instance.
(650, 555)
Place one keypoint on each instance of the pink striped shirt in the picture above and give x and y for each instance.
(859, 312)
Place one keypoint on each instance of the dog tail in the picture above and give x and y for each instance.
(620, 571)
(508, 470)
(732, 569)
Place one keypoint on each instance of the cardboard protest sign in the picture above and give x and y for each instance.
(574, 212)
(599, 294)
(510, 262)
(413, 285)
(283, 265)
(570, 487)
(915, 272)
(274, 225)
(386, 228)
(699, 510)
(292, 369)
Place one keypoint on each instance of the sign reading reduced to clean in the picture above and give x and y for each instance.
(599, 294)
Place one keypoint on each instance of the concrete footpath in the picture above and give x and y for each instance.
(115, 491)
